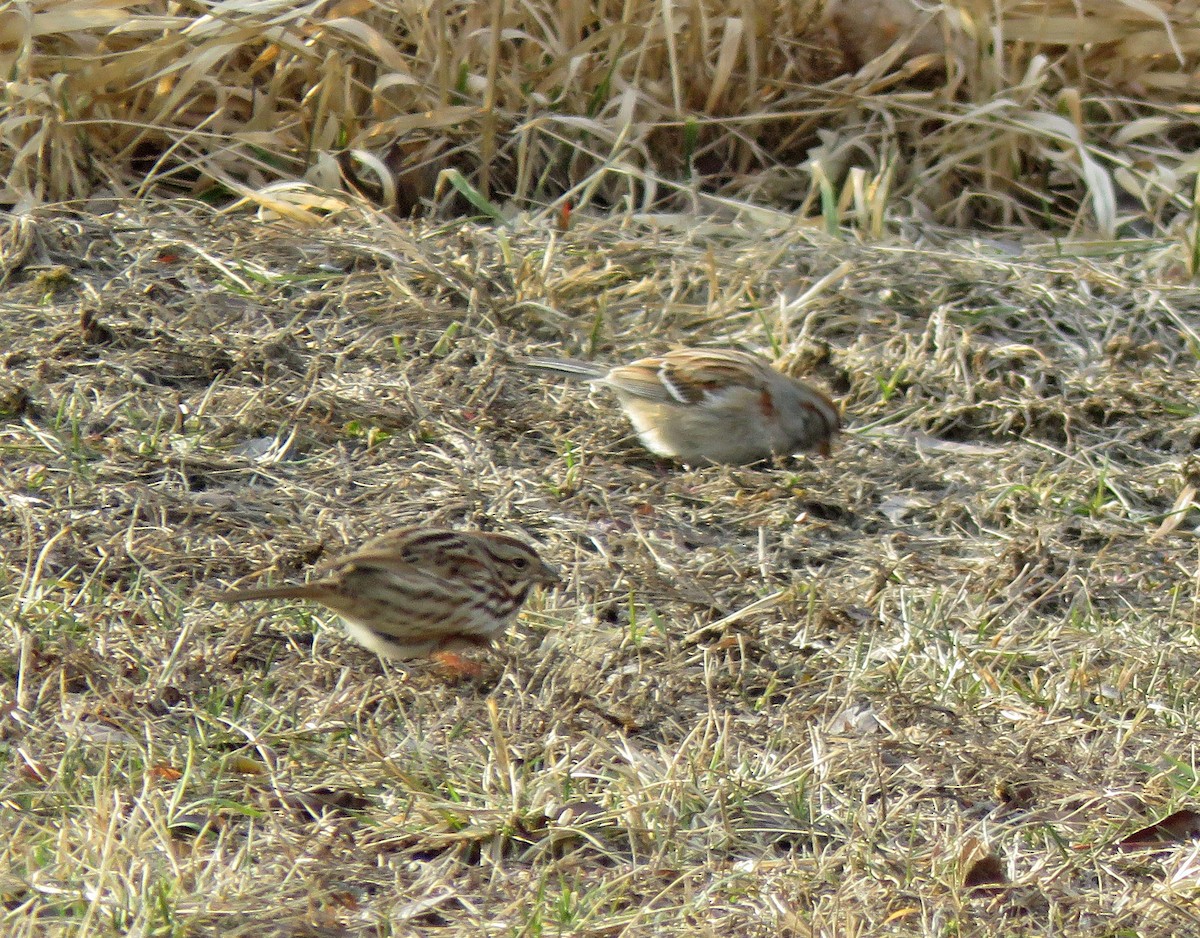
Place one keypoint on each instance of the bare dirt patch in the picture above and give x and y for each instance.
(917, 688)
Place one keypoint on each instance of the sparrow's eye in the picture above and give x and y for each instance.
(520, 562)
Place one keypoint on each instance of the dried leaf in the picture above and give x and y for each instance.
(1174, 828)
(244, 765)
(982, 870)
(1183, 502)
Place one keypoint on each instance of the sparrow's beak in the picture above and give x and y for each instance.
(548, 576)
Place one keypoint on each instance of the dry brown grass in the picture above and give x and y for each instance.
(1035, 114)
(805, 699)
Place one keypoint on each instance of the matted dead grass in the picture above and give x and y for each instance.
(920, 688)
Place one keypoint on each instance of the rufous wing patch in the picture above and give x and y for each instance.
(766, 403)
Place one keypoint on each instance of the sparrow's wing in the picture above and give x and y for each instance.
(689, 376)
(424, 590)
(440, 559)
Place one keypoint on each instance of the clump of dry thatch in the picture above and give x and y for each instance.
(932, 680)
(1043, 114)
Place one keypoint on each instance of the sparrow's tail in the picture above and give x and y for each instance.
(295, 591)
(570, 367)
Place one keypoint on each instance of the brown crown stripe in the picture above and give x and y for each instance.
(437, 538)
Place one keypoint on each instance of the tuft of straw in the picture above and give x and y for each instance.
(1047, 114)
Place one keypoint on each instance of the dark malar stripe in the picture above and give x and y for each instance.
(500, 603)
(499, 609)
